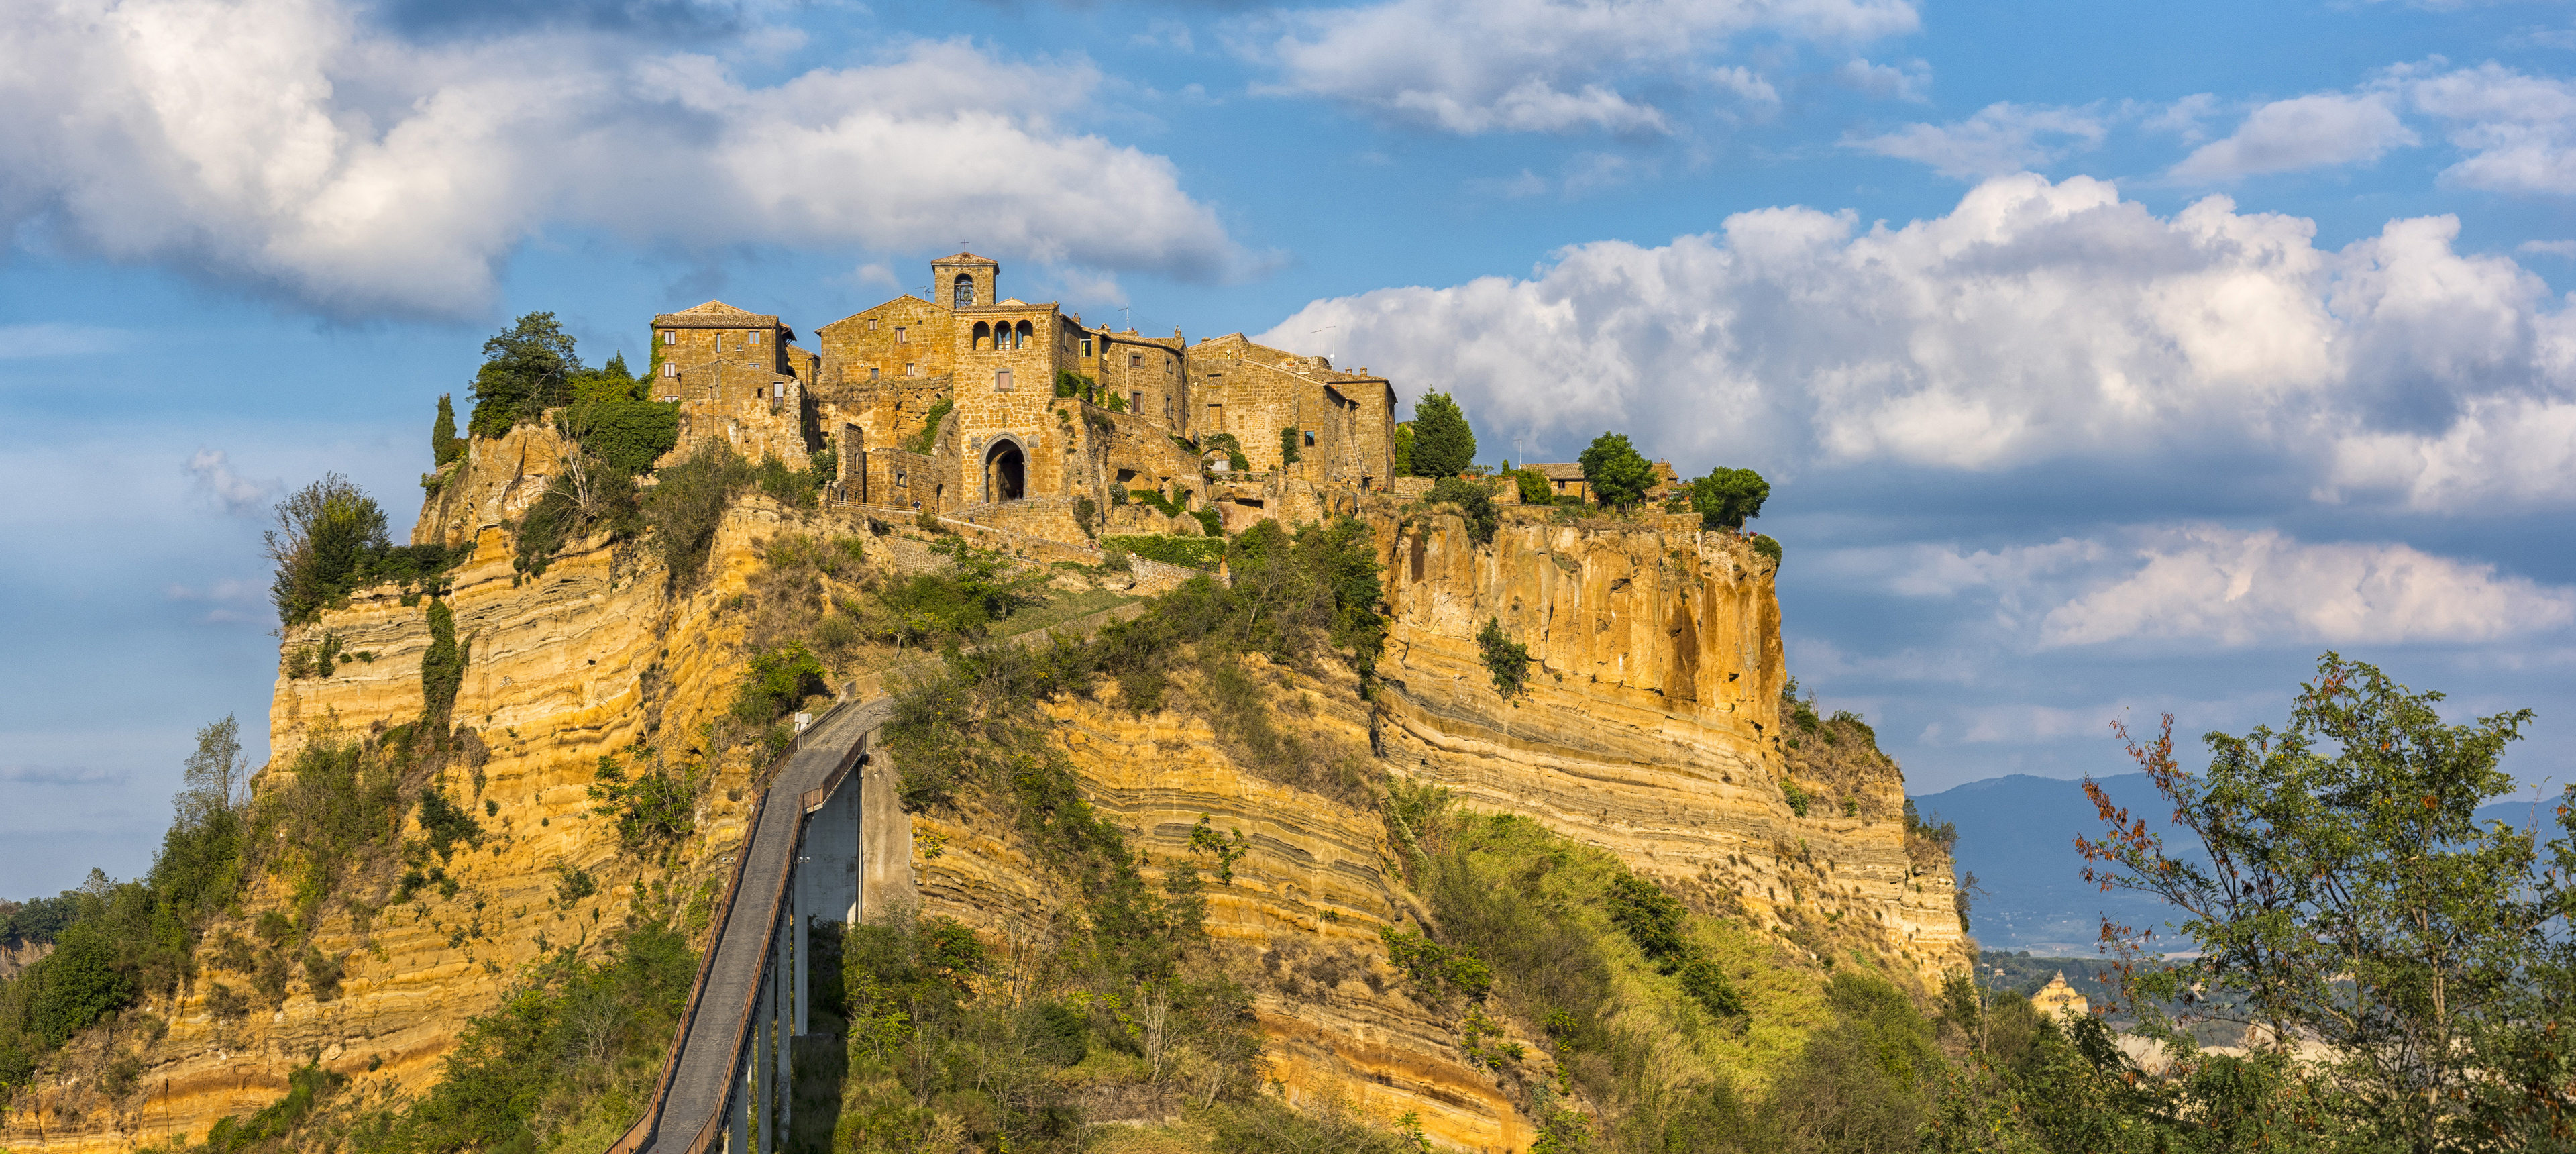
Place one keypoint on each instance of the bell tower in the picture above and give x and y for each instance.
(964, 279)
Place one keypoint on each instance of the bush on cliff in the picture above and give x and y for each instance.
(527, 368)
(325, 532)
(1474, 501)
(684, 510)
(1726, 498)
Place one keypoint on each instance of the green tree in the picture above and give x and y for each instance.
(527, 369)
(1473, 501)
(2340, 887)
(1404, 449)
(444, 444)
(1443, 444)
(325, 533)
(1617, 473)
(1288, 449)
(1726, 498)
(1534, 487)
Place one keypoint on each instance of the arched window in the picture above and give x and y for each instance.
(964, 291)
(983, 333)
(1020, 339)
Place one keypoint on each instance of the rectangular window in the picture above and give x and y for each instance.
(670, 370)
(670, 336)
(778, 392)
(898, 479)
(1001, 380)
(753, 338)
(872, 373)
(1310, 438)
(898, 334)
(872, 324)
(1086, 346)
(907, 370)
(1136, 402)
(1135, 360)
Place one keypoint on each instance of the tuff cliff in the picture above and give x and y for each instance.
(1650, 730)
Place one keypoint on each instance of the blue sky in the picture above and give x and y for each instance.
(2107, 359)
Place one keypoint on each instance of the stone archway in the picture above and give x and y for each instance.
(1006, 471)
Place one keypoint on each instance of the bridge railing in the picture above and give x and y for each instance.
(642, 1131)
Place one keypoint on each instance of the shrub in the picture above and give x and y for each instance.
(325, 532)
(442, 668)
(1155, 500)
(1473, 500)
(1651, 918)
(1195, 552)
(1796, 797)
(689, 503)
(1288, 447)
(779, 679)
(652, 811)
(1767, 547)
(1616, 472)
(1506, 659)
(627, 435)
(1210, 521)
(1443, 444)
(1534, 486)
(928, 437)
(1436, 967)
(1726, 498)
(1086, 516)
(1404, 450)
(445, 823)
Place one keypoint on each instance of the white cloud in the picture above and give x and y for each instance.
(2034, 323)
(2238, 588)
(2305, 132)
(2566, 248)
(1887, 81)
(2519, 131)
(1476, 66)
(282, 143)
(2182, 117)
(2000, 138)
(211, 473)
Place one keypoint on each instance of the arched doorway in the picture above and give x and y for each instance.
(1006, 471)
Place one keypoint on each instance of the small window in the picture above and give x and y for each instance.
(752, 337)
(872, 373)
(898, 479)
(1167, 366)
(1310, 438)
(1001, 380)
(1135, 360)
(670, 370)
(670, 336)
(1020, 337)
(778, 392)
(1086, 346)
(908, 371)
(1136, 402)
(872, 324)
(898, 334)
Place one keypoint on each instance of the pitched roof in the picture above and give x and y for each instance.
(714, 315)
(966, 258)
(1565, 471)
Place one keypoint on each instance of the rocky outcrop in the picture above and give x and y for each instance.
(1650, 725)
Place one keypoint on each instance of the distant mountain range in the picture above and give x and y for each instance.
(2017, 834)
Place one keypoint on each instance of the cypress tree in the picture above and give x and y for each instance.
(1443, 445)
(443, 443)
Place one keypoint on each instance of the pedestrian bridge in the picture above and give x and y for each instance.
(725, 1083)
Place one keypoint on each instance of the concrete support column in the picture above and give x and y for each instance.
(738, 1109)
(789, 1002)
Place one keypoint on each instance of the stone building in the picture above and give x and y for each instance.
(1566, 484)
(2057, 999)
(1015, 412)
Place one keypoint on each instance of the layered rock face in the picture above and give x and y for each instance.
(1650, 727)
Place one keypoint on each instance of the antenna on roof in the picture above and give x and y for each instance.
(1328, 341)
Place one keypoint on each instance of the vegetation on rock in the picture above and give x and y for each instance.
(1726, 498)
(1615, 471)
(1442, 444)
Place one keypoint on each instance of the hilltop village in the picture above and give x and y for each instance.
(1024, 417)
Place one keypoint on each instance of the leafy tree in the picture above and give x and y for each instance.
(1404, 449)
(444, 444)
(1726, 498)
(1443, 444)
(2343, 890)
(1617, 473)
(527, 369)
(325, 532)
(1506, 659)
(1288, 448)
(628, 435)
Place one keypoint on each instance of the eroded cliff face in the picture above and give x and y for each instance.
(1651, 723)
(1648, 730)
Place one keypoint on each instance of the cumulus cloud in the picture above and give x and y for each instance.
(2306, 132)
(285, 144)
(2001, 137)
(1477, 66)
(2036, 323)
(211, 474)
(2238, 588)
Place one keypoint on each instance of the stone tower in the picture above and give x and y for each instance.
(964, 280)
